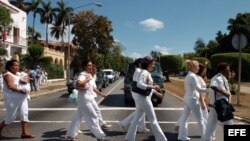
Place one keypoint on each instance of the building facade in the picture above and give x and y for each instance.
(16, 39)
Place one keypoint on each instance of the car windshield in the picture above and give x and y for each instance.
(107, 72)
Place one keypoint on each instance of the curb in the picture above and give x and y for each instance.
(32, 96)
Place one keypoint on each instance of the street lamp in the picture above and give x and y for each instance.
(68, 52)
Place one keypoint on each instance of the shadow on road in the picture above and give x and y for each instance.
(54, 135)
(115, 100)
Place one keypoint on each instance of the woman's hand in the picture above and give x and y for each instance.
(103, 95)
(160, 95)
(156, 87)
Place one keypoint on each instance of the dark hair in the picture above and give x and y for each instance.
(222, 66)
(137, 62)
(201, 69)
(146, 61)
(9, 64)
(85, 62)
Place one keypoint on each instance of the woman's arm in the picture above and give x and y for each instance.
(194, 82)
(10, 84)
(83, 80)
(99, 93)
(142, 82)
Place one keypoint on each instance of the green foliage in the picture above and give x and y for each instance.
(233, 59)
(5, 19)
(171, 63)
(55, 71)
(203, 60)
(3, 53)
(35, 57)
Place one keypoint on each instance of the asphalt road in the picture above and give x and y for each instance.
(51, 114)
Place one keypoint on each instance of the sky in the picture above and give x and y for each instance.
(166, 26)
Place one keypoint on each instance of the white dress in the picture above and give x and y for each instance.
(15, 102)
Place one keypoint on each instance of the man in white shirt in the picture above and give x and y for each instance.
(219, 85)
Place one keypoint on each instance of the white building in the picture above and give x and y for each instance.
(16, 41)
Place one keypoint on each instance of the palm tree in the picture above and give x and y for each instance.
(25, 6)
(35, 57)
(62, 20)
(57, 31)
(47, 15)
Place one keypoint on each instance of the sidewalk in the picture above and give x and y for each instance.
(244, 89)
(53, 85)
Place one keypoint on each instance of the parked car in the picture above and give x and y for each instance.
(102, 80)
(99, 81)
(158, 79)
(110, 74)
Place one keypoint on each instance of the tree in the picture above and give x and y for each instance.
(5, 20)
(200, 47)
(62, 20)
(3, 54)
(47, 15)
(35, 57)
(33, 35)
(25, 6)
(92, 34)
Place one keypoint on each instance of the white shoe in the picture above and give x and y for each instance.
(122, 128)
(80, 132)
(187, 139)
(106, 126)
(144, 131)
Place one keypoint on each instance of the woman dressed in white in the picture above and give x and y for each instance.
(15, 98)
(192, 90)
(126, 122)
(85, 106)
(144, 103)
(102, 123)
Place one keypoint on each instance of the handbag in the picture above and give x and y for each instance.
(139, 90)
(223, 108)
(73, 97)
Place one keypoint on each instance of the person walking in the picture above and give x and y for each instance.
(126, 121)
(85, 108)
(192, 90)
(219, 85)
(102, 123)
(144, 104)
(32, 75)
(15, 99)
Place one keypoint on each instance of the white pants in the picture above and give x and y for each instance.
(144, 105)
(191, 105)
(85, 109)
(98, 112)
(16, 104)
(126, 122)
(211, 124)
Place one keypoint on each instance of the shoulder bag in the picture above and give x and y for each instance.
(140, 91)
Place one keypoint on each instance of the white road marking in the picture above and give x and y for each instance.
(99, 101)
(103, 109)
(115, 121)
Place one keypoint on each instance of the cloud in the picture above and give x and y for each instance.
(152, 24)
(162, 49)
